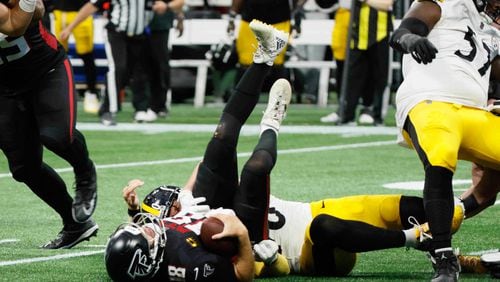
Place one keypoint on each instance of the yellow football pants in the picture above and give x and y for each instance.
(446, 133)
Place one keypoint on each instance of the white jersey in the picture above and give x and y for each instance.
(287, 226)
(460, 72)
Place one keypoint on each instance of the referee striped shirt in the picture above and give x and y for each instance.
(127, 16)
(369, 26)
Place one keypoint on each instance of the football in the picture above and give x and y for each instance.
(226, 247)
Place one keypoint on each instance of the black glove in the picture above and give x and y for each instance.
(420, 48)
(297, 17)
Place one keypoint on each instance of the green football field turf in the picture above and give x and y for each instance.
(309, 167)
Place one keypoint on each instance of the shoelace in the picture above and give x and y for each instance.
(260, 49)
(423, 235)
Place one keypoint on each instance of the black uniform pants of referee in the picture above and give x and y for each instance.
(160, 70)
(367, 79)
(127, 57)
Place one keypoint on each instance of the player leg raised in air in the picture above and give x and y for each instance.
(216, 177)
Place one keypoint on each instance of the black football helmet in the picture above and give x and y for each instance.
(129, 256)
(160, 200)
(327, 6)
(490, 9)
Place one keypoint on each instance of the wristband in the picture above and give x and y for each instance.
(27, 5)
(132, 213)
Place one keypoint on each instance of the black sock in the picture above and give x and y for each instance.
(439, 204)
(353, 236)
(411, 206)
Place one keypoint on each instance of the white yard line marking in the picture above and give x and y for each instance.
(419, 185)
(8, 241)
(56, 257)
(196, 159)
(94, 246)
(249, 129)
(480, 253)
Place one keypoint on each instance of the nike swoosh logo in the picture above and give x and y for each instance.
(90, 209)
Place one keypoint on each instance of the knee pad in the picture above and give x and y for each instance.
(329, 260)
(389, 210)
(458, 215)
(344, 262)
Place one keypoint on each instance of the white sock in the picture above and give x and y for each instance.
(410, 238)
(443, 250)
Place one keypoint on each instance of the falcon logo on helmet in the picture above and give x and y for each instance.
(160, 200)
(131, 253)
(139, 266)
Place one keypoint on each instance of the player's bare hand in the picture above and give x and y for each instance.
(130, 195)
(64, 35)
(160, 7)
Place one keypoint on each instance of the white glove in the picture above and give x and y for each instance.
(190, 204)
(266, 251)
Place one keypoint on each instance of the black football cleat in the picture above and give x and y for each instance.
(72, 235)
(85, 196)
(446, 267)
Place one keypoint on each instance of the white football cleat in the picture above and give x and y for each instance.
(366, 119)
(331, 118)
(279, 99)
(271, 42)
(145, 116)
(90, 103)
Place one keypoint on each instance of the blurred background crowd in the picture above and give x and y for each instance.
(182, 50)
